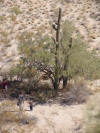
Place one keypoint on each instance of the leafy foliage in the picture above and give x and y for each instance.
(74, 57)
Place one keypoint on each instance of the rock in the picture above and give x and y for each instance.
(24, 122)
(93, 36)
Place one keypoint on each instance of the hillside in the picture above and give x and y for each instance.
(57, 108)
(28, 17)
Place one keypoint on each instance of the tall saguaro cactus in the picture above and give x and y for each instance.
(57, 43)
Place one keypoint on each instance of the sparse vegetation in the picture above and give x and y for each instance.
(13, 18)
(16, 10)
(55, 63)
(92, 116)
(97, 0)
(2, 18)
(10, 115)
(4, 33)
(1, 1)
(77, 92)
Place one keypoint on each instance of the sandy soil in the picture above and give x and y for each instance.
(51, 118)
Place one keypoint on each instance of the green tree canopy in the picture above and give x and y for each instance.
(74, 57)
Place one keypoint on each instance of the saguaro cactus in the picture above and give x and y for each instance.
(57, 43)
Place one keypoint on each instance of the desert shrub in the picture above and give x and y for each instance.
(97, 0)
(43, 92)
(1, 1)
(16, 10)
(13, 17)
(4, 33)
(2, 18)
(92, 115)
(46, 88)
(78, 91)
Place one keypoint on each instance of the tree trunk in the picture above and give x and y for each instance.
(56, 86)
(65, 81)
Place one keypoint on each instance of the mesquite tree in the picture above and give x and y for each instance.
(61, 57)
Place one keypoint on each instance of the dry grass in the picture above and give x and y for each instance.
(1, 1)
(2, 18)
(12, 120)
(13, 18)
(97, 0)
(16, 10)
(78, 92)
(92, 115)
(44, 118)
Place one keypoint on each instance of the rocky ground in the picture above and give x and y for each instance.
(25, 18)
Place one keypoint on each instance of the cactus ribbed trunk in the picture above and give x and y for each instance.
(56, 83)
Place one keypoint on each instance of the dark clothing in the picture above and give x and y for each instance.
(4, 88)
(4, 84)
(31, 107)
